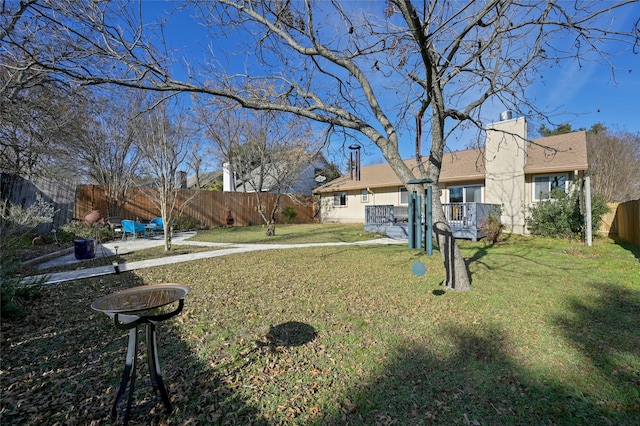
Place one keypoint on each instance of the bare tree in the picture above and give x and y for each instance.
(614, 164)
(195, 163)
(370, 69)
(164, 142)
(108, 152)
(37, 123)
(265, 151)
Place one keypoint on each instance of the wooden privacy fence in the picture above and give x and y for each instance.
(209, 208)
(623, 221)
(23, 192)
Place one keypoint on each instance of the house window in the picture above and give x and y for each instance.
(456, 194)
(364, 197)
(404, 196)
(339, 199)
(543, 185)
(465, 194)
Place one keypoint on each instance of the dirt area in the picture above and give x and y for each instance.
(34, 251)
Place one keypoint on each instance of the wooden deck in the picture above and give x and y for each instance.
(465, 219)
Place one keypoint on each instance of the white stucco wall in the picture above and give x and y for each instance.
(354, 211)
(505, 159)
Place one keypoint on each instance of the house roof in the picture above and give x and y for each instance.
(559, 153)
(274, 172)
(206, 179)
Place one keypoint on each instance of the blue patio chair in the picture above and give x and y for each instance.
(155, 225)
(157, 221)
(133, 228)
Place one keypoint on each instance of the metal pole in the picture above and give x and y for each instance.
(428, 210)
(429, 221)
(411, 220)
(351, 165)
(418, 222)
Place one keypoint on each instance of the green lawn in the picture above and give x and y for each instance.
(287, 234)
(348, 335)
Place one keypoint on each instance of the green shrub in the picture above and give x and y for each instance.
(14, 293)
(78, 230)
(599, 208)
(15, 223)
(186, 223)
(289, 214)
(561, 216)
(492, 226)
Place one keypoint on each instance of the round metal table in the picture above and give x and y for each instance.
(132, 309)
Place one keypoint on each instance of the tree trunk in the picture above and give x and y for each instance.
(457, 276)
(168, 233)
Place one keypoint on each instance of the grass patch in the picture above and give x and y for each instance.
(347, 335)
(287, 234)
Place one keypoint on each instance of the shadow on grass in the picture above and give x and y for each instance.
(628, 246)
(68, 372)
(606, 329)
(289, 334)
(505, 260)
(61, 367)
(474, 382)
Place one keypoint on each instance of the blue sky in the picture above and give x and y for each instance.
(580, 96)
(595, 94)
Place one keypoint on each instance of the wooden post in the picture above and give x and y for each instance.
(587, 201)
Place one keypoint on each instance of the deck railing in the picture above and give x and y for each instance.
(385, 214)
(466, 219)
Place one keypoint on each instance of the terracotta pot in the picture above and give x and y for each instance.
(94, 216)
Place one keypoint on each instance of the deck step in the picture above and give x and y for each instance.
(397, 232)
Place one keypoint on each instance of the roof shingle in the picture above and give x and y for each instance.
(544, 155)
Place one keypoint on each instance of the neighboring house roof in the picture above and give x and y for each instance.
(269, 181)
(299, 181)
(559, 153)
(206, 179)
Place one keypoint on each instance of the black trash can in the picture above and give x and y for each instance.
(85, 249)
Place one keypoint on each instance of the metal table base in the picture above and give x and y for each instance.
(129, 375)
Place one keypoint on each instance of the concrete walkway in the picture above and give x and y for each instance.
(111, 248)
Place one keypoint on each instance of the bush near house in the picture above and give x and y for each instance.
(561, 216)
(492, 226)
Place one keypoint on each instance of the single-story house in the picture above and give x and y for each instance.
(510, 171)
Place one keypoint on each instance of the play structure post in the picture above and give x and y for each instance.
(428, 222)
(411, 220)
(418, 222)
